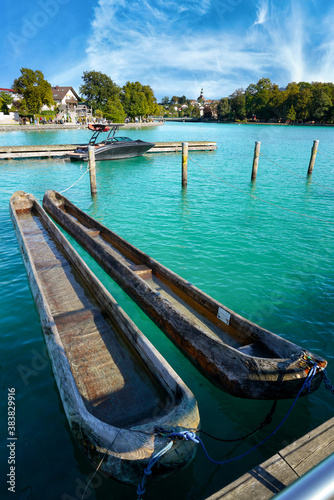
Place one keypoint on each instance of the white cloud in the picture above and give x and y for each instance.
(166, 44)
(262, 12)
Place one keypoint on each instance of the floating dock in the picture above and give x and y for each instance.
(61, 150)
(268, 479)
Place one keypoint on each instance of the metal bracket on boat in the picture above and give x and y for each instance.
(306, 360)
(160, 431)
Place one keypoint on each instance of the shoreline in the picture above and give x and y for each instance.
(195, 120)
(68, 126)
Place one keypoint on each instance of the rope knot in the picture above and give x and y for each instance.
(140, 490)
(187, 435)
(310, 376)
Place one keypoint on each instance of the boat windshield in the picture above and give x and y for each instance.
(122, 139)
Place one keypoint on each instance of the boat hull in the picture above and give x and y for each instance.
(239, 356)
(106, 370)
(114, 151)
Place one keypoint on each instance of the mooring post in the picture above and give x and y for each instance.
(184, 164)
(256, 159)
(313, 155)
(92, 170)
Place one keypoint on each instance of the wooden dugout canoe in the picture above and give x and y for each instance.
(241, 357)
(115, 387)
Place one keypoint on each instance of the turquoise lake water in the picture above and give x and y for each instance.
(264, 250)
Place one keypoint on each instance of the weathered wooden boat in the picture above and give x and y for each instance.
(241, 357)
(112, 148)
(115, 387)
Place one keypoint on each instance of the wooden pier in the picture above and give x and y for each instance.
(61, 150)
(266, 480)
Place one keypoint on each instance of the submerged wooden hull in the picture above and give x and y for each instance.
(242, 358)
(115, 387)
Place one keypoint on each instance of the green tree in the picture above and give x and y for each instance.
(276, 104)
(97, 89)
(182, 100)
(35, 90)
(223, 108)
(238, 104)
(165, 101)
(321, 104)
(138, 100)
(5, 102)
(303, 102)
(292, 94)
(207, 112)
(291, 114)
(257, 99)
(195, 113)
(114, 110)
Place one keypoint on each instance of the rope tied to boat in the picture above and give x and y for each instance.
(187, 435)
(327, 382)
(190, 435)
(148, 470)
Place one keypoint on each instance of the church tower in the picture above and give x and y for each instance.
(201, 97)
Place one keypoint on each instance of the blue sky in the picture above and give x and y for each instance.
(175, 46)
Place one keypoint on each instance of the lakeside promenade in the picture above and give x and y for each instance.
(71, 126)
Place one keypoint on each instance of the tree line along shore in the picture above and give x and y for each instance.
(265, 102)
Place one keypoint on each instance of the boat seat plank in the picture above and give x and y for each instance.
(100, 237)
(142, 271)
(155, 283)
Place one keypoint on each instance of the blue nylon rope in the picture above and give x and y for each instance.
(192, 436)
(148, 470)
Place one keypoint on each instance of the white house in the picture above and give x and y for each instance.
(13, 117)
(65, 96)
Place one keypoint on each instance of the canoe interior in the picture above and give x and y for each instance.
(243, 339)
(111, 377)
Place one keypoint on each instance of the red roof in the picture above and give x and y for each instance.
(6, 90)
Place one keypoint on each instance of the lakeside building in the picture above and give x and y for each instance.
(12, 117)
(66, 100)
(65, 96)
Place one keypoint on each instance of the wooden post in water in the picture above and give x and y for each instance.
(184, 164)
(92, 170)
(313, 155)
(256, 159)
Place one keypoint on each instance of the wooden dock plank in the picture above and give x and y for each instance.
(59, 150)
(261, 483)
(311, 449)
(267, 479)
